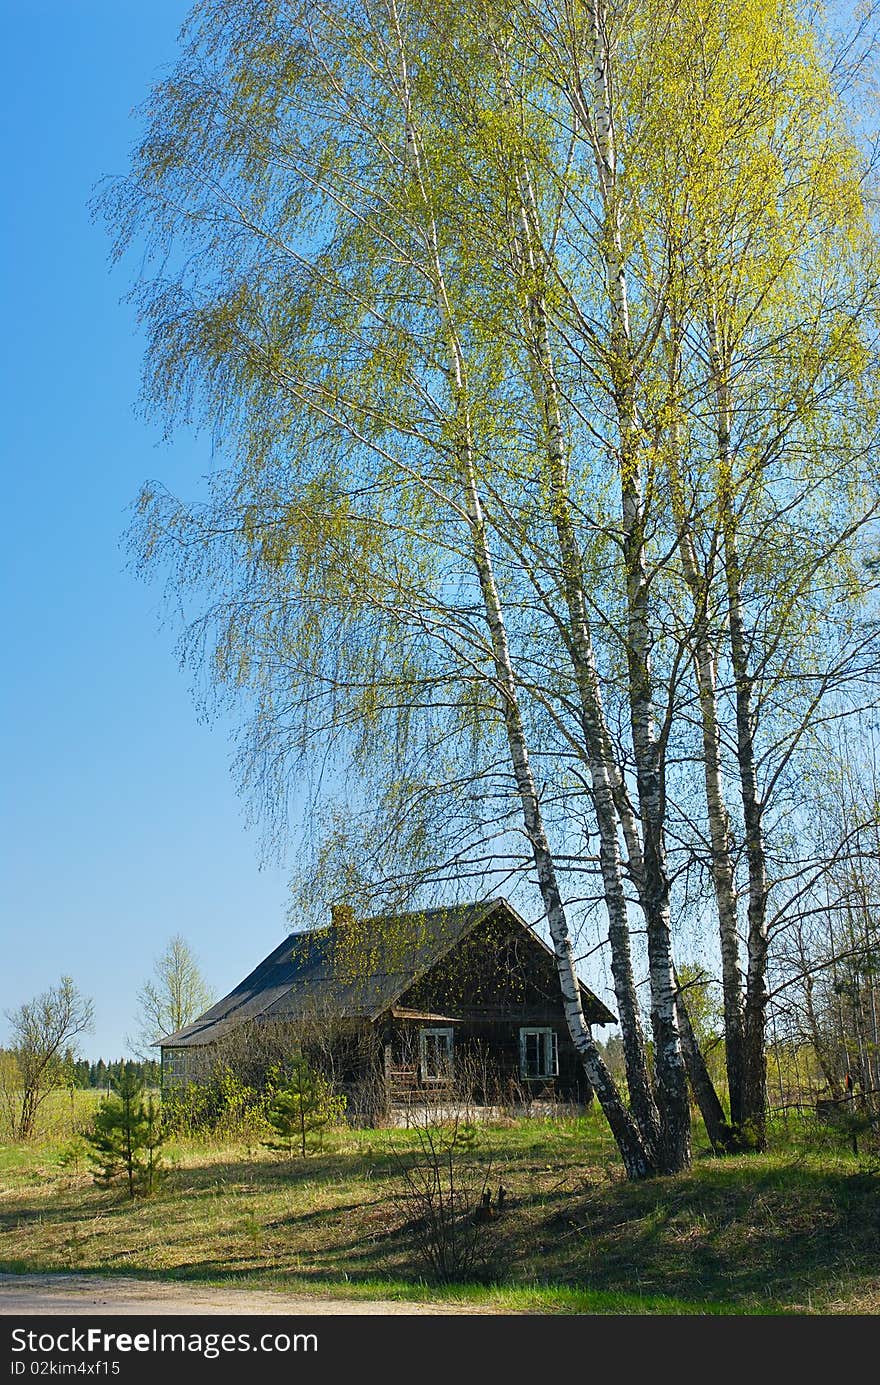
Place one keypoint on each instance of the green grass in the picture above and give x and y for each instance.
(61, 1113)
(794, 1230)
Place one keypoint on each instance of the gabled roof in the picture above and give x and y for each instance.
(358, 972)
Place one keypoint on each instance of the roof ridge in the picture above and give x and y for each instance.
(439, 909)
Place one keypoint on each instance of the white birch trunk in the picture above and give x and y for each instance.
(754, 1082)
(637, 1159)
(668, 1059)
(604, 771)
(701, 1082)
(720, 836)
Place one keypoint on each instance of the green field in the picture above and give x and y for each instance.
(796, 1229)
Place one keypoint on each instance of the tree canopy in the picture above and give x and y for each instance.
(541, 351)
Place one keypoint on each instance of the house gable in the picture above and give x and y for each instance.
(501, 970)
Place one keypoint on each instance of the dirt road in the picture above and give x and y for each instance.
(66, 1294)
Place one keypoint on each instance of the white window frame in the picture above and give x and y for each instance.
(548, 1063)
(446, 1033)
(175, 1064)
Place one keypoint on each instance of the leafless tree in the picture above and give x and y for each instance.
(41, 1031)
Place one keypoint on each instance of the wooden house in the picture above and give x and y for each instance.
(402, 1008)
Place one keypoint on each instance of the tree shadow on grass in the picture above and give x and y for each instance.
(738, 1234)
(740, 1231)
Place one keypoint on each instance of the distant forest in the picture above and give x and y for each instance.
(101, 1074)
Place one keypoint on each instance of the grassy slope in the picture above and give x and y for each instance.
(793, 1230)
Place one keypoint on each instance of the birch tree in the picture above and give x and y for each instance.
(781, 268)
(534, 363)
(175, 995)
(410, 231)
(749, 135)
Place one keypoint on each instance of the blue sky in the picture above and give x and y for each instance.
(119, 821)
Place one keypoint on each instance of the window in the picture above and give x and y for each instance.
(435, 1048)
(538, 1053)
(175, 1063)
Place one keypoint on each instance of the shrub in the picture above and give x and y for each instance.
(444, 1193)
(223, 1104)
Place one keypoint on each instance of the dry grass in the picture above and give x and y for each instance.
(796, 1229)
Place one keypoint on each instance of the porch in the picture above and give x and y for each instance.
(431, 1059)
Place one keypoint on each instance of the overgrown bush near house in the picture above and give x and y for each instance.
(222, 1106)
(239, 1108)
(186, 1108)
